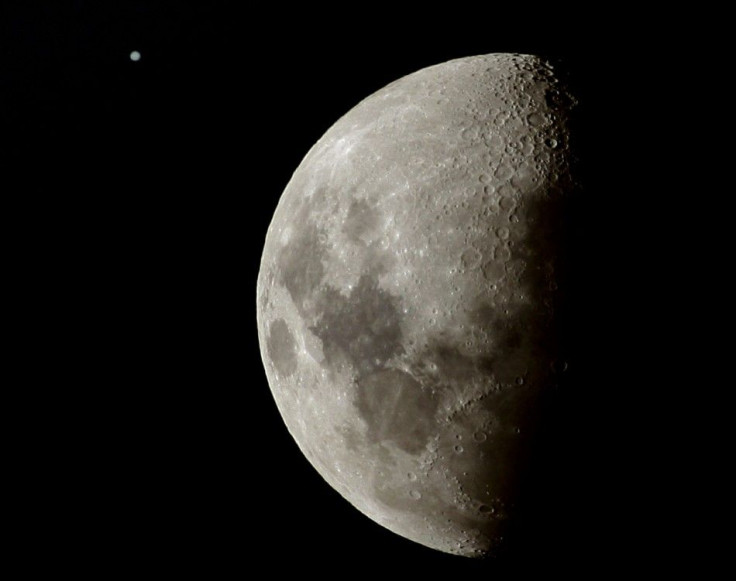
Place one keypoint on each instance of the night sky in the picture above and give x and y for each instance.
(144, 189)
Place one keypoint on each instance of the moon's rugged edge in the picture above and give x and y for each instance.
(407, 292)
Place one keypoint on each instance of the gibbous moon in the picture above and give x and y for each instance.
(407, 295)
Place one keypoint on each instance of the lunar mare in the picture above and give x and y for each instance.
(407, 295)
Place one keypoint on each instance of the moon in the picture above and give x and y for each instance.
(407, 298)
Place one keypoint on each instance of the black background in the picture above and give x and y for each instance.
(144, 191)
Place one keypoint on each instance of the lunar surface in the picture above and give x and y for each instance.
(408, 290)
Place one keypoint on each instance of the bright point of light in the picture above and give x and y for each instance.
(135, 56)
